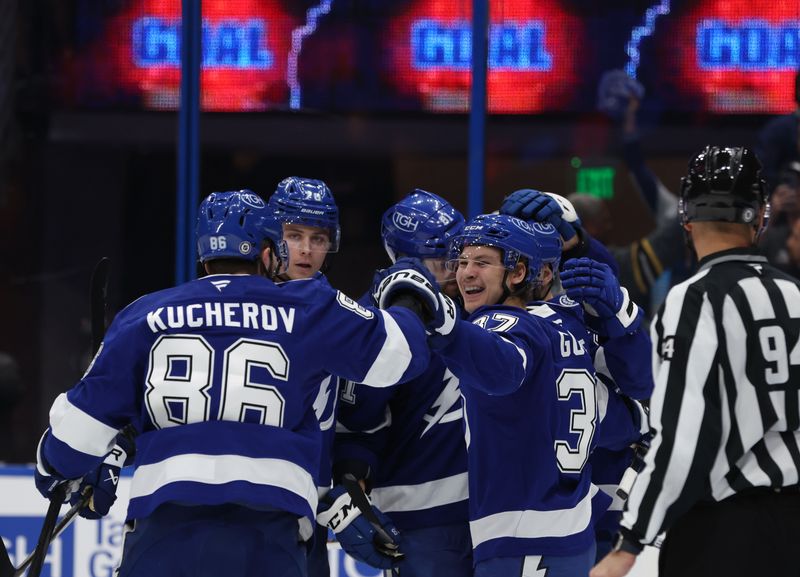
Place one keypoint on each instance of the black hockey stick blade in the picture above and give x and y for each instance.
(99, 289)
(43, 544)
(384, 543)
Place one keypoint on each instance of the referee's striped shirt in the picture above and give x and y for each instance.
(725, 406)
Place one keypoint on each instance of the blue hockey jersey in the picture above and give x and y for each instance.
(620, 371)
(220, 376)
(412, 438)
(622, 367)
(529, 394)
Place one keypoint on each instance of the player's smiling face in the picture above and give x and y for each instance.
(479, 275)
(308, 247)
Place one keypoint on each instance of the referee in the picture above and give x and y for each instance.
(721, 476)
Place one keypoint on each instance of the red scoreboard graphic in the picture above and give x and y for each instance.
(729, 56)
(244, 43)
(718, 56)
(534, 61)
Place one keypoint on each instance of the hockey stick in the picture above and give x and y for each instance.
(65, 522)
(99, 291)
(51, 529)
(385, 543)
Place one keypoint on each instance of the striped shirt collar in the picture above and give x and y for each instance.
(732, 254)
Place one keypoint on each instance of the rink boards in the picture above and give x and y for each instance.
(90, 548)
(93, 548)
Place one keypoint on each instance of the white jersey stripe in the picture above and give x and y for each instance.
(423, 496)
(80, 430)
(720, 488)
(618, 502)
(221, 469)
(393, 359)
(690, 418)
(750, 430)
(532, 524)
(758, 298)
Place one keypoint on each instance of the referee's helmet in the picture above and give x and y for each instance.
(724, 184)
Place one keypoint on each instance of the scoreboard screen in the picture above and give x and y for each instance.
(547, 56)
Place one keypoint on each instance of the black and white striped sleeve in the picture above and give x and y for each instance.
(685, 412)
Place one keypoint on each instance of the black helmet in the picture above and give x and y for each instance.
(724, 184)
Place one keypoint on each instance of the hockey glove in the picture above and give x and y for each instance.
(402, 264)
(49, 483)
(355, 533)
(410, 277)
(611, 312)
(104, 479)
(529, 204)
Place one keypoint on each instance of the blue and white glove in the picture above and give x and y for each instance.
(529, 204)
(611, 312)
(405, 263)
(440, 313)
(48, 481)
(104, 479)
(356, 534)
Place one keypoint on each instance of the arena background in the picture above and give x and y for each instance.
(371, 96)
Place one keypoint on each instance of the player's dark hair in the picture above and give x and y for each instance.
(230, 266)
(523, 290)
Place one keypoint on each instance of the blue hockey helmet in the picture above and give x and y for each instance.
(234, 224)
(307, 202)
(538, 242)
(420, 226)
(549, 244)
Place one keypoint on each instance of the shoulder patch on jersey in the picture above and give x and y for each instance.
(351, 305)
(566, 301)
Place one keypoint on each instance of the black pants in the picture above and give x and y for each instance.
(746, 535)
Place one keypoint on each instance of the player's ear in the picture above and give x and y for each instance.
(545, 275)
(518, 274)
(266, 257)
(266, 264)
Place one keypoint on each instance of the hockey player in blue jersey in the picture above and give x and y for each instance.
(632, 374)
(309, 220)
(219, 375)
(407, 443)
(531, 412)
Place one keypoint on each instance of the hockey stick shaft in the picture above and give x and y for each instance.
(40, 552)
(65, 522)
(98, 290)
(360, 500)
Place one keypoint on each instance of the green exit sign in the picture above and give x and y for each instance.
(597, 181)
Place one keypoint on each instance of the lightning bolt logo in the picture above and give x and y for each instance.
(321, 404)
(641, 32)
(298, 35)
(531, 567)
(443, 406)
